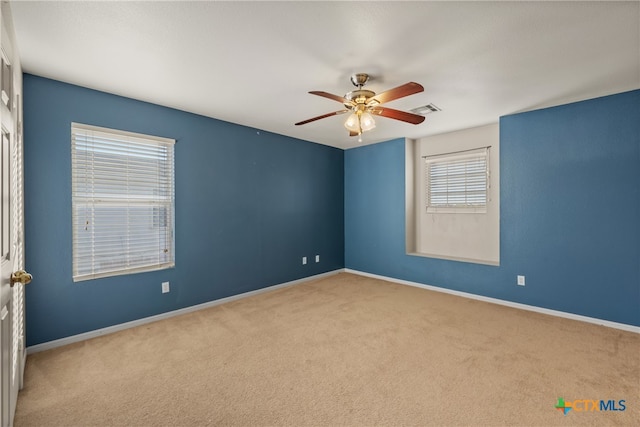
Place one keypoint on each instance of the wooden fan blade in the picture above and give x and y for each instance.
(353, 133)
(331, 96)
(397, 92)
(398, 115)
(335, 113)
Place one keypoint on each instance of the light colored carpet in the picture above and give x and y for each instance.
(340, 351)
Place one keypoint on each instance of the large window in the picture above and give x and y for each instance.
(123, 202)
(457, 182)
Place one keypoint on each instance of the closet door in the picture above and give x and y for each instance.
(13, 278)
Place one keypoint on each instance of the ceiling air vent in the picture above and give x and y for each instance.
(425, 109)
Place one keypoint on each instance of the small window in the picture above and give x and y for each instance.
(123, 202)
(458, 182)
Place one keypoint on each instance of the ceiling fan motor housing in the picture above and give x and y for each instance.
(359, 79)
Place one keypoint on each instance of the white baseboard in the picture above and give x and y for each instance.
(607, 323)
(111, 329)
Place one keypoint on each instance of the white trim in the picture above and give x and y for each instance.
(122, 326)
(601, 322)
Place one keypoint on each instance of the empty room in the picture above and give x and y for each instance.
(300, 213)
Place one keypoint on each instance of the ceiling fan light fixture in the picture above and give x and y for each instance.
(367, 122)
(352, 123)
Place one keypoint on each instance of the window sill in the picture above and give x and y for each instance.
(459, 259)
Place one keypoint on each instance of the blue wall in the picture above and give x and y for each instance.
(249, 205)
(569, 216)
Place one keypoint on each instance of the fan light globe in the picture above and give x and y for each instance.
(352, 123)
(367, 122)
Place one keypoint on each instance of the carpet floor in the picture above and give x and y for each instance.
(344, 350)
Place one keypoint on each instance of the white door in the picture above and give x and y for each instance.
(12, 276)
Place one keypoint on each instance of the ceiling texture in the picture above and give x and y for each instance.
(253, 63)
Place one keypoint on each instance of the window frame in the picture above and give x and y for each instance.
(462, 178)
(99, 187)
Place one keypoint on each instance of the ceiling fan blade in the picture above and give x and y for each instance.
(335, 113)
(395, 93)
(398, 115)
(351, 133)
(331, 96)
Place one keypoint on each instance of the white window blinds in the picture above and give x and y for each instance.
(123, 202)
(458, 182)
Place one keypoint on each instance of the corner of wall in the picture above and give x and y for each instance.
(409, 199)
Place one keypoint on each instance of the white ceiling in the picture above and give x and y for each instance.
(253, 63)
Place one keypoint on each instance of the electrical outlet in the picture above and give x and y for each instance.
(165, 287)
(304, 260)
(317, 258)
(520, 280)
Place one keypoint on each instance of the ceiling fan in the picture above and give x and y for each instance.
(363, 103)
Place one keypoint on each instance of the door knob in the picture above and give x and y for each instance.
(20, 276)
